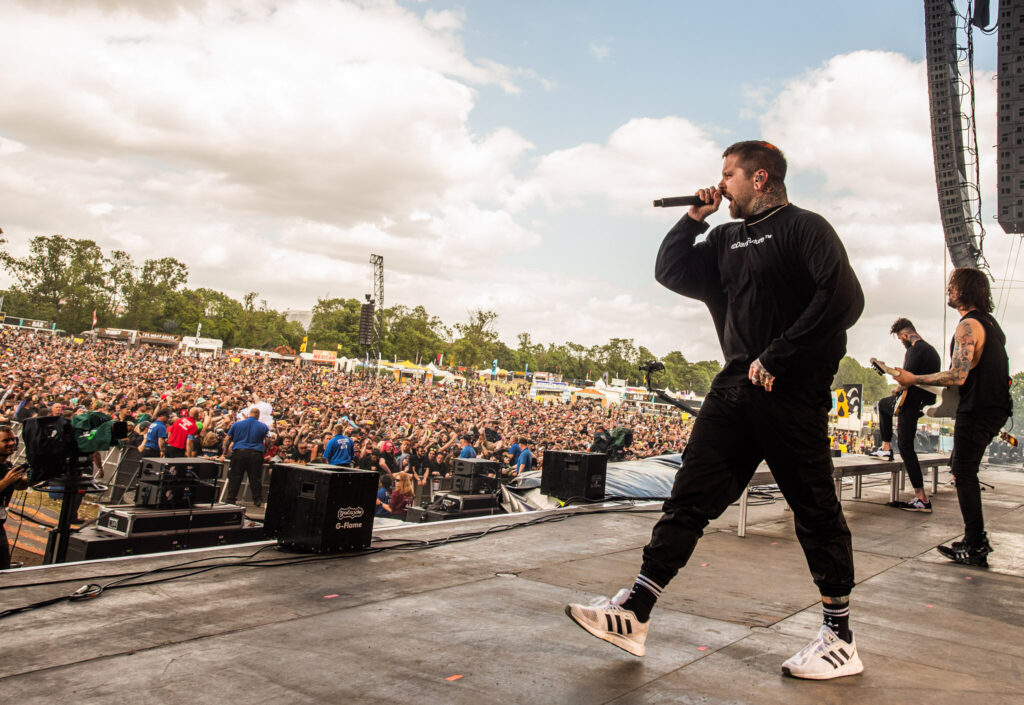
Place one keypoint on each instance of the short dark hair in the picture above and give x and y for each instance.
(902, 324)
(973, 290)
(752, 155)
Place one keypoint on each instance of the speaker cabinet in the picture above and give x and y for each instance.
(475, 476)
(313, 508)
(175, 495)
(179, 469)
(573, 475)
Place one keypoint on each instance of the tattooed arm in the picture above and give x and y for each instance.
(968, 341)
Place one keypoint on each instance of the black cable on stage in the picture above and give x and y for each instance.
(94, 589)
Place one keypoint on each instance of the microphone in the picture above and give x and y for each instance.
(679, 201)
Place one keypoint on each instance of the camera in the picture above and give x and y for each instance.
(651, 366)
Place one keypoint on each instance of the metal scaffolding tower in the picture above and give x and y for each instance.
(378, 295)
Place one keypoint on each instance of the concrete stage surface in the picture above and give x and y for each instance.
(482, 621)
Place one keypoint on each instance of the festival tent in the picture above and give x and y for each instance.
(592, 394)
(443, 376)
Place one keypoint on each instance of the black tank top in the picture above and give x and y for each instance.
(987, 387)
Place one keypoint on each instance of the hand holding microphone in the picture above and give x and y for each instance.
(705, 202)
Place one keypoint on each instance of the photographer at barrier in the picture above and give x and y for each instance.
(11, 479)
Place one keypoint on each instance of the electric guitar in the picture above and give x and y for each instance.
(946, 398)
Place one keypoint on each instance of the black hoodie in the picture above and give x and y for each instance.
(779, 287)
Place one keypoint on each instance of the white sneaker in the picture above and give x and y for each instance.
(827, 656)
(606, 619)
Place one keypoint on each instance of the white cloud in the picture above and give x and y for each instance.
(861, 123)
(667, 156)
(600, 50)
(273, 147)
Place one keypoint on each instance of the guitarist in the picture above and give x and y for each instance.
(980, 368)
(921, 358)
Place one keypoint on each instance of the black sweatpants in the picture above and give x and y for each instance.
(971, 436)
(735, 430)
(906, 431)
(249, 463)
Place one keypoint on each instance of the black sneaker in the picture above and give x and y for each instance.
(916, 505)
(960, 552)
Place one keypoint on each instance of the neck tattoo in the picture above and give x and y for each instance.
(769, 215)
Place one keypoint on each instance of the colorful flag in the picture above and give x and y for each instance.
(94, 318)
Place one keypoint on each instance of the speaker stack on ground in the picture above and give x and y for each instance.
(177, 483)
(321, 508)
(576, 475)
(175, 508)
(475, 476)
(475, 486)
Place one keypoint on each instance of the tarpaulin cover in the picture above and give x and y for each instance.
(650, 478)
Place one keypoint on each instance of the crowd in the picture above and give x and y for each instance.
(395, 426)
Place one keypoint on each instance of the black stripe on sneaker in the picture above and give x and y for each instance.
(845, 655)
(829, 661)
(839, 658)
(629, 625)
(618, 624)
(608, 617)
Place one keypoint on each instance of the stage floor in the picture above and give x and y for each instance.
(482, 621)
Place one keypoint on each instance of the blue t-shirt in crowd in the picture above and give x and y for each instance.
(339, 450)
(514, 451)
(525, 459)
(382, 495)
(467, 452)
(154, 433)
(248, 434)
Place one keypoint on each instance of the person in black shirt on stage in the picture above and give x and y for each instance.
(921, 358)
(782, 294)
(980, 368)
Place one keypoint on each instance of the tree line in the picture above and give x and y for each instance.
(65, 279)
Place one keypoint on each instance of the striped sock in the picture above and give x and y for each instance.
(837, 618)
(642, 597)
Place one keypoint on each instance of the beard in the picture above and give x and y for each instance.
(953, 304)
(734, 209)
(907, 344)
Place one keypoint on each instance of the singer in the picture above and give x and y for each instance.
(782, 294)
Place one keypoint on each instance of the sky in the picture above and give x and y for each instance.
(498, 155)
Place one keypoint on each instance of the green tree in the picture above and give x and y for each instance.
(413, 334)
(477, 342)
(62, 279)
(336, 322)
(852, 372)
(149, 300)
